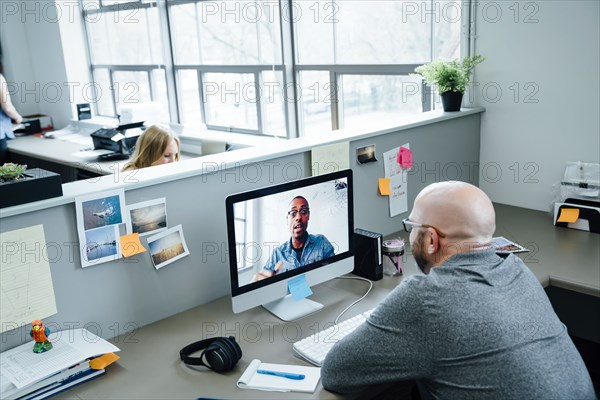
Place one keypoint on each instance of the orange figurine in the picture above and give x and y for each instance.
(40, 333)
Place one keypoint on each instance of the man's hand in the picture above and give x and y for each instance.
(267, 273)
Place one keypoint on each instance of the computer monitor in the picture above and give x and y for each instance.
(264, 227)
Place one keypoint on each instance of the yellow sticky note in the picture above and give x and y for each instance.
(130, 245)
(568, 215)
(103, 361)
(384, 186)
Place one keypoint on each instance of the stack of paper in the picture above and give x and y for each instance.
(72, 360)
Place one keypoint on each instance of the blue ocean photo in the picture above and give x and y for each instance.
(100, 243)
(102, 212)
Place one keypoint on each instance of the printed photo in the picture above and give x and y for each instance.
(101, 219)
(101, 244)
(366, 154)
(148, 217)
(167, 247)
(101, 212)
(504, 246)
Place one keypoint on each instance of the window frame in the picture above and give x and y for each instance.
(289, 67)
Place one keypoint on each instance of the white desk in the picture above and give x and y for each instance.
(68, 156)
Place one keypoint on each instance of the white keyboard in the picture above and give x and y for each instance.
(315, 347)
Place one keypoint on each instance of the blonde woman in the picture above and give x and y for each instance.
(157, 145)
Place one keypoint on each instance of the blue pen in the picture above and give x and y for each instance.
(288, 375)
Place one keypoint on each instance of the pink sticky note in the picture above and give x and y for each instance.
(405, 158)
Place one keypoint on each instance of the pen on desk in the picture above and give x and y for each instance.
(288, 375)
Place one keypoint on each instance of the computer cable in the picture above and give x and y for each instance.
(356, 301)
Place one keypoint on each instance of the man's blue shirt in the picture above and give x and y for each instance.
(316, 248)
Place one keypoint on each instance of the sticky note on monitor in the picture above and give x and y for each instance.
(299, 288)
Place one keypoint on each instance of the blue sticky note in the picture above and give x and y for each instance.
(299, 288)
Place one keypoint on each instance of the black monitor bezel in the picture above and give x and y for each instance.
(270, 190)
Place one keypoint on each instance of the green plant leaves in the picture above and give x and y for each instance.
(449, 75)
(10, 171)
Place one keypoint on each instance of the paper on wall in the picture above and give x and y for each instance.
(330, 158)
(26, 286)
(398, 181)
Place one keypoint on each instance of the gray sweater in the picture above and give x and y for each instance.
(480, 326)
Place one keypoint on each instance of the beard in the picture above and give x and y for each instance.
(419, 254)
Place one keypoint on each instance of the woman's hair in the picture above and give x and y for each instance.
(151, 146)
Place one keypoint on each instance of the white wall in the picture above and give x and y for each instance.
(16, 59)
(32, 36)
(550, 50)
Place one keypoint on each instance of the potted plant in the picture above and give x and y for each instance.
(20, 185)
(451, 79)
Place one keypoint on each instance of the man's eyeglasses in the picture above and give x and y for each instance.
(408, 226)
(303, 212)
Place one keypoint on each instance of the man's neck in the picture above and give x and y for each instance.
(455, 248)
(298, 243)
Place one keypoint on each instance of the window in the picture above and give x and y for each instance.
(249, 251)
(127, 55)
(274, 67)
(355, 58)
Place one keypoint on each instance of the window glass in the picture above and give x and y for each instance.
(185, 33)
(315, 100)
(373, 99)
(103, 95)
(273, 103)
(131, 87)
(236, 48)
(365, 32)
(382, 32)
(189, 96)
(314, 22)
(230, 100)
(159, 81)
(112, 2)
(236, 32)
(130, 35)
(447, 30)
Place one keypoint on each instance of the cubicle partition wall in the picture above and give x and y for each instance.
(115, 297)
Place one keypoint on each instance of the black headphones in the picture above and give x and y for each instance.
(222, 354)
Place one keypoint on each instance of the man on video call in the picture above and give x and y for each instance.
(476, 325)
(302, 248)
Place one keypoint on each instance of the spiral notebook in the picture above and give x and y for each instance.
(251, 379)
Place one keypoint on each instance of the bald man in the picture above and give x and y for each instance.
(475, 325)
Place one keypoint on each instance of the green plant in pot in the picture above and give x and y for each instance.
(19, 185)
(11, 172)
(451, 78)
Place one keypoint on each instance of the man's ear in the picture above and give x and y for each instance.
(433, 241)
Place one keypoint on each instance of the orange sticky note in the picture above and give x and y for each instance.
(405, 158)
(384, 186)
(130, 245)
(103, 361)
(568, 215)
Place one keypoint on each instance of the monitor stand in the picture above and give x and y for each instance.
(288, 309)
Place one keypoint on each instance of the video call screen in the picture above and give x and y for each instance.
(265, 228)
